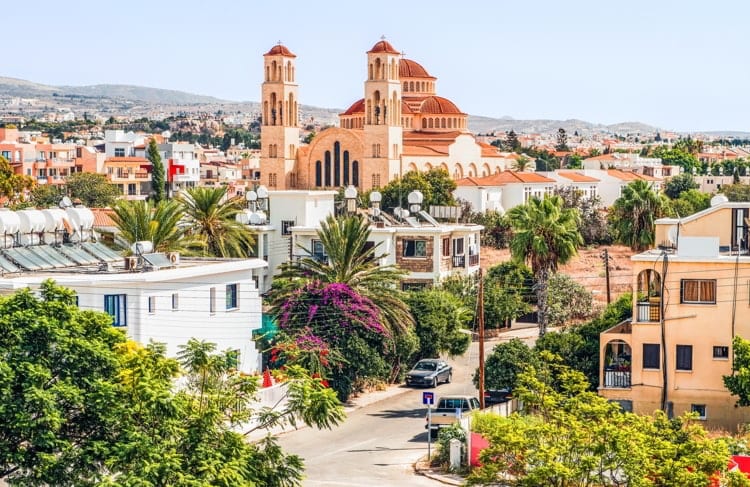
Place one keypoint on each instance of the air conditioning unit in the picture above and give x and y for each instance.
(174, 257)
(131, 263)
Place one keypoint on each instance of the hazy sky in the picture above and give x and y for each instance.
(682, 65)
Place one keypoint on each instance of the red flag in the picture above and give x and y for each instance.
(267, 381)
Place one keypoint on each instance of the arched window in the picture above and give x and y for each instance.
(355, 173)
(424, 123)
(273, 70)
(268, 74)
(318, 174)
(431, 124)
(442, 123)
(406, 86)
(337, 164)
(346, 168)
(328, 168)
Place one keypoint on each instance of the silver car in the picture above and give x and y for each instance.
(429, 372)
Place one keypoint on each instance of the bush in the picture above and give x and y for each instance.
(445, 436)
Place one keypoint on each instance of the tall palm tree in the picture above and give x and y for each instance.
(521, 163)
(546, 234)
(633, 215)
(351, 262)
(160, 224)
(212, 218)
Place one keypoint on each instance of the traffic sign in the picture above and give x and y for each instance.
(428, 398)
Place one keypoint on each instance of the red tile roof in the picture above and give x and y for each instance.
(577, 177)
(279, 50)
(383, 46)
(412, 69)
(505, 177)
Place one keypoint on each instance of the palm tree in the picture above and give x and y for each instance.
(521, 163)
(546, 234)
(633, 215)
(351, 262)
(213, 220)
(159, 224)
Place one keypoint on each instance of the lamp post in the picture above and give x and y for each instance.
(262, 193)
(415, 199)
(375, 199)
(252, 198)
(350, 196)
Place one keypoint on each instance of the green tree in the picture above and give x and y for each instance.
(13, 186)
(568, 300)
(440, 319)
(633, 214)
(350, 261)
(593, 222)
(511, 141)
(436, 186)
(678, 184)
(546, 234)
(689, 202)
(46, 195)
(677, 157)
(212, 218)
(562, 141)
(736, 192)
(503, 365)
(497, 228)
(160, 224)
(521, 163)
(158, 176)
(739, 382)
(94, 190)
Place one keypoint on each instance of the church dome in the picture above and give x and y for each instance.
(438, 105)
(383, 46)
(412, 69)
(280, 50)
(357, 107)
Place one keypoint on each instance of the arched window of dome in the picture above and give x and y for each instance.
(318, 174)
(273, 70)
(450, 123)
(406, 86)
(424, 123)
(346, 168)
(337, 164)
(431, 123)
(327, 168)
(411, 86)
(442, 123)
(355, 173)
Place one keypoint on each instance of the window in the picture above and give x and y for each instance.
(458, 246)
(212, 300)
(698, 291)
(651, 356)
(415, 248)
(721, 352)
(152, 304)
(272, 179)
(684, 357)
(446, 247)
(319, 251)
(119, 152)
(286, 227)
(700, 409)
(115, 306)
(175, 301)
(232, 301)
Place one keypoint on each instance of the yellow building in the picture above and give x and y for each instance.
(400, 125)
(692, 298)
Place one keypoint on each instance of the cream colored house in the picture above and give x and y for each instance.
(692, 298)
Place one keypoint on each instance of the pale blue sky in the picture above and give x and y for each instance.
(682, 65)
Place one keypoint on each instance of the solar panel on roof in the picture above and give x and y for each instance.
(77, 255)
(36, 259)
(102, 252)
(157, 260)
(7, 265)
(23, 260)
(55, 260)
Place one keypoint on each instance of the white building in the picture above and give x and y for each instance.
(503, 190)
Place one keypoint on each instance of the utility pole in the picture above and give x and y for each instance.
(605, 256)
(480, 299)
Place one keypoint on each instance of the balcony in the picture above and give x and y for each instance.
(459, 261)
(473, 260)
(649, 311)
(617, 379)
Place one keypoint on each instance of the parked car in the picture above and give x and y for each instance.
(445, 413)
(429, 372)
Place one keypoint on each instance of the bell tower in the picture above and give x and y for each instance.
(279, 131)
(383, 135)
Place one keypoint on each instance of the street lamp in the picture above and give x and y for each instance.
(262, 193)
(252, 198)
(375, 199)
(350, 195)
(415, 199)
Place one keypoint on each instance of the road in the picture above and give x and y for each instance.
(378, 444)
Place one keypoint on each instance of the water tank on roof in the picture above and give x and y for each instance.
(80, 218)
(258, 218)
(53, 219)
(9, 222)
(719, 199)
(243, 217)
(31, 221)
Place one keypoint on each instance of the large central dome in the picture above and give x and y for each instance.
(412, 69)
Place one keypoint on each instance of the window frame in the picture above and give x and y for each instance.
(680, 364)
(212, 300)
(446, 246)
(151, 305)
(232, 296)
(175, 301)
(116, 306)
(459, 247)
(699, 284)
(286, 227)
(652, 347)
(701, 409)
(720, 356)
(415, 243)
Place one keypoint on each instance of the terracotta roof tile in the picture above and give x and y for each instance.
(279, 50)
(577, 177)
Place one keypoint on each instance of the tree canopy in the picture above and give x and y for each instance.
(633, 215)
(93, 189)
(436, 186)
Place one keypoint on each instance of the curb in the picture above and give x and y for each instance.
(428, 472)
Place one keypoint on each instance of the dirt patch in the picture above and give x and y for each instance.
(587, 268)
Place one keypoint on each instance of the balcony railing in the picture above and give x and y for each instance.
(617, 378)
(649, 311)
(459, 261)
(473, 260)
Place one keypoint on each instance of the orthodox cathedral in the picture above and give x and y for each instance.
(400, 125)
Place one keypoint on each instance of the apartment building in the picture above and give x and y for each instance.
(692, 297)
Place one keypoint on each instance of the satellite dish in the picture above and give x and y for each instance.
(65, 202)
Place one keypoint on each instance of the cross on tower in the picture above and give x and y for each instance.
(382, 38)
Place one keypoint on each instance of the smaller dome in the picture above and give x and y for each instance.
(412, 69)
(383, 46)
(280, 50)
(357, 107)
(405, 108)
(439, 105)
